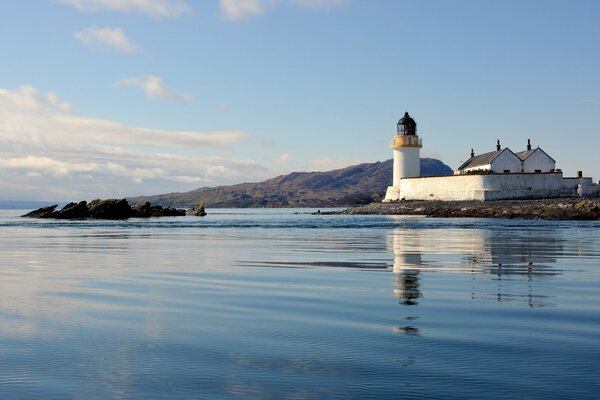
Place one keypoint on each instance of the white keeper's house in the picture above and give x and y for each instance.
(495, 175)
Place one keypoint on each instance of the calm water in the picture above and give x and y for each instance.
(276, 305)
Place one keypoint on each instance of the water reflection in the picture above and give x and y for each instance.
(503, 263)
(406, 245)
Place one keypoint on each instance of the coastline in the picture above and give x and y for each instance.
(571, 208)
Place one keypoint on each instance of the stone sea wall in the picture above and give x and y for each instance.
(572, 208)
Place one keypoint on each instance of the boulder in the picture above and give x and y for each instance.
(73, 211)
(109, 209)
(197, 210)
(586, 206)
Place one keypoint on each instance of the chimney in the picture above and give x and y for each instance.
(580, 174)
(497, 144)
(528, 144)
(472, 153)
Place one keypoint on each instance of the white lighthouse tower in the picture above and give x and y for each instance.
(406, 147)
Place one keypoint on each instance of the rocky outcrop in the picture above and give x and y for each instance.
(197, 210)
(109, 209)
(549, 209)
(104, 209)
(43, 212)
(146, 210)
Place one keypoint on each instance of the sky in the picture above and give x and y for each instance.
(113, 98)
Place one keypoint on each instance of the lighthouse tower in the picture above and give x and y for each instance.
(406, 147)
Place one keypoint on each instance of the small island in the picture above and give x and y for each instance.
(112, 209)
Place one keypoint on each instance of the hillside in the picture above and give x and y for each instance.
(358, 184)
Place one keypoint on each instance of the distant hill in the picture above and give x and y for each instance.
(22, 205)
(359, 184)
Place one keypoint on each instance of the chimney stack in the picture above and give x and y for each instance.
(472, 153)
(497, 144)
(528, 144)
(580, 174)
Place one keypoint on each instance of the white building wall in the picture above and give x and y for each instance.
(538, 160)
(506, 161)
(493, 187)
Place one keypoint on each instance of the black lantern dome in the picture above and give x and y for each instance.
(406, 125)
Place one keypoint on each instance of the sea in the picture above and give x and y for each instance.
(287, 304)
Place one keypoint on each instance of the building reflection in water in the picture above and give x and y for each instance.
(510, 258)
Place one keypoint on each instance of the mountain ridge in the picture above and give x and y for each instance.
(354, 185)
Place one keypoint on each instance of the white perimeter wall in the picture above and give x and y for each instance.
(491, 187)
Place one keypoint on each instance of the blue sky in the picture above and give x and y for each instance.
(108, 98)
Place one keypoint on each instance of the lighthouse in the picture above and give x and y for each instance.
(406, 147)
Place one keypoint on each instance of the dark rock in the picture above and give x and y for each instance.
(104, 209)
(44, 212)
(141, 210)
(197, 210)
(147, 210)
(73, 211)
(109, 209)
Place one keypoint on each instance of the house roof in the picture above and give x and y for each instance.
(481, 159)
(524, 154)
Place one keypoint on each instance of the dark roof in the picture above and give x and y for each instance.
(481, 159)
(524, 154)
(406, 120)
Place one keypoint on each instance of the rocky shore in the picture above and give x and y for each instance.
(549, 209)
(111, 209)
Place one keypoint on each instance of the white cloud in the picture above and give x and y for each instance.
(156, 8)
(106, 38)
(283, 158)
(235, 10)
(154, 88)
(320, 3)
(238, 9)
(47, 151)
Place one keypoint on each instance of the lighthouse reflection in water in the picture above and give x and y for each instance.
(502, 264)
(407, 265)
